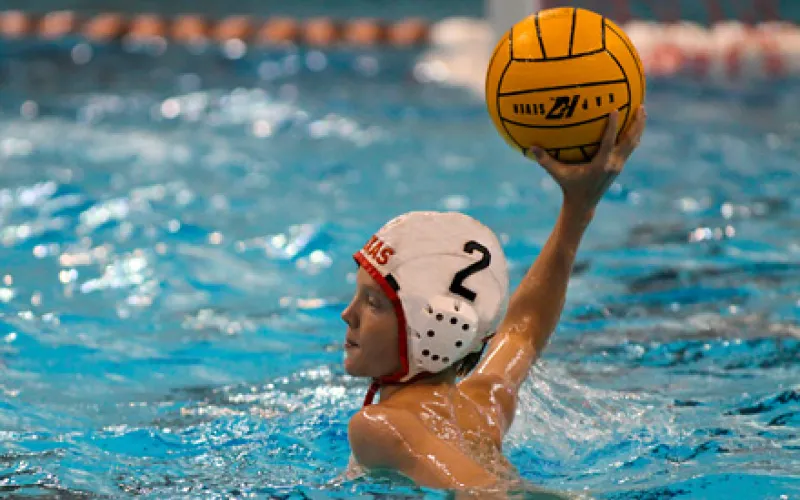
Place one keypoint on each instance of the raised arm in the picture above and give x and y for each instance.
(536, 305)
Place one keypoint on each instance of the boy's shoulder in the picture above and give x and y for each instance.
(383, 436)
(386, 437)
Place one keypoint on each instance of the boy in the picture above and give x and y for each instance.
(431, 291)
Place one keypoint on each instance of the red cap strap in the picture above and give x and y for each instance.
(402, 340)
(373, 389)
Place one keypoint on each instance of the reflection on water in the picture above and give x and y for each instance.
(176, 245)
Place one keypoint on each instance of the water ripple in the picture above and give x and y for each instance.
(177, 231)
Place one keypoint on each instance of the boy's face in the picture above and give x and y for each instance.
(372, 336)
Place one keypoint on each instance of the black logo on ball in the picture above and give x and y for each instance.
(561, 108)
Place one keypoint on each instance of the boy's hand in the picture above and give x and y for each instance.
(584, 184)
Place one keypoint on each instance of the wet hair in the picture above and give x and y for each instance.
(468, 363)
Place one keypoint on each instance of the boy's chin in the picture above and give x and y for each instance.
(355, 369)
(352, 369)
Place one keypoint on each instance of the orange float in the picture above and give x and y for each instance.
(320, 31)
(58, 24)
(408, 32)
(366, 32)
(15, 24)
(189, 29)
(279, 30)
(146, 27)
(233, 27)
(104, 27)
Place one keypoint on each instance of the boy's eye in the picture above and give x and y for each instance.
(373, 301)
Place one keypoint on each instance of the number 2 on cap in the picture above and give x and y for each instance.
(457, 286)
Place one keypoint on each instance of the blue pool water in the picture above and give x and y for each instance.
(175, 246)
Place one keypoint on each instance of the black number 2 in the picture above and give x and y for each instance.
(457, 286)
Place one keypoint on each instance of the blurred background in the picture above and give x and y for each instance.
(307, 8)
(692, 10)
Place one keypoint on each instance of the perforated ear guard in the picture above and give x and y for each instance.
(442, 330)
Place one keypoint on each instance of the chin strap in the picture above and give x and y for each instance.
(373, 389)
(376, 384)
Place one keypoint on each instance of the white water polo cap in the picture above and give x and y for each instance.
(447, 277)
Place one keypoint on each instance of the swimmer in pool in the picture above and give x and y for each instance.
(431, 296)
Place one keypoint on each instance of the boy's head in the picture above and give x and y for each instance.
(431, 289)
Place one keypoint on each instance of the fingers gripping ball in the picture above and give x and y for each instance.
(555, 76)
